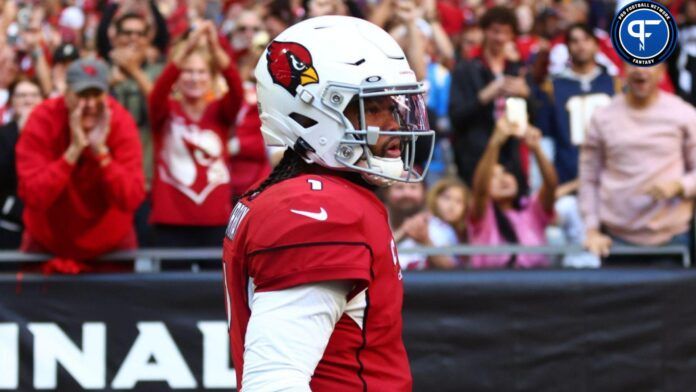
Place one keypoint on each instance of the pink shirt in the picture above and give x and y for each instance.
(627, 151)
(529, 224)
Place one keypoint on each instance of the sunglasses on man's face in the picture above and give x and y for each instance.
(128, 33)
(255, 29)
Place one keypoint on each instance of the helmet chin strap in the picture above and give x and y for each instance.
(393, 167)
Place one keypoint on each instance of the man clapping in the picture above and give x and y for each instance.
(80, 170)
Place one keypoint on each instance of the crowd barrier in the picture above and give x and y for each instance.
(465, 330)
(149, 259)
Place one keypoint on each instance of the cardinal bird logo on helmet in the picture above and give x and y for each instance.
(290, 65)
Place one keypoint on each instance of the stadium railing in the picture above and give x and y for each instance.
(150, 259)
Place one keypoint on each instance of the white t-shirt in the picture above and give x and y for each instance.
(440, 233)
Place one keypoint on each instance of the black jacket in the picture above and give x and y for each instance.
(473, 122)
(10, 205)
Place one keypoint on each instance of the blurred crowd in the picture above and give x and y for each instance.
(131, 123)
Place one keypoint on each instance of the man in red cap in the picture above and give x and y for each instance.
(79, 165)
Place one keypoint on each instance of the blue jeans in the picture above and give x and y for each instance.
(649, 260)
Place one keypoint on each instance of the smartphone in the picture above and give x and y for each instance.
(516, 113)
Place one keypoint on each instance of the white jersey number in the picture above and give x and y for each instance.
(580, 109)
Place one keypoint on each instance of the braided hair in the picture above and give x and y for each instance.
(291, 165)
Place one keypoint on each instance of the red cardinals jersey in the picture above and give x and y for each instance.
(316, 228)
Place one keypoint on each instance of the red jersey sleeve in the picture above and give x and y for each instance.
(298, 237)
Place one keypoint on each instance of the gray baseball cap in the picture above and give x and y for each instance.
(84, 74)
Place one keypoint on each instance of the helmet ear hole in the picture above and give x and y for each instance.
(303, 120)
(304, 150)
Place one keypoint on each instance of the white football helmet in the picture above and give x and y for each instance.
(313, 70)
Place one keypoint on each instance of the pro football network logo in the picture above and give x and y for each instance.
(290, 65)
(644, 33)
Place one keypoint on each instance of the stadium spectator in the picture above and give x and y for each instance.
(637, 168)
(79, 170)
(405, 203)
(470, 40)
(71, 22)
(129, 57)
(62, 57)
(145, 11)
(448, 203)
(479, 90)
(501, 211)
(574, 94)
(410, 224)
(246, 32)
(132, 76)
(32, 50)
(573, 12)
(527, 43)
(25, 94)
(683, 62)
(191, 190)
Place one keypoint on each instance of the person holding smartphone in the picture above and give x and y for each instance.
(480, 87)
(502, 212)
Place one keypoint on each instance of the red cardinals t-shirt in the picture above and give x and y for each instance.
(315, 228)
(192, 185)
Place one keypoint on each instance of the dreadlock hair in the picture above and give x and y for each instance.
(291, 165)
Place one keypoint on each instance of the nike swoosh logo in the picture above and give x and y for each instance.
(320, 216)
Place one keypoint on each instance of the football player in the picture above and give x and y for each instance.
(312, 278)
